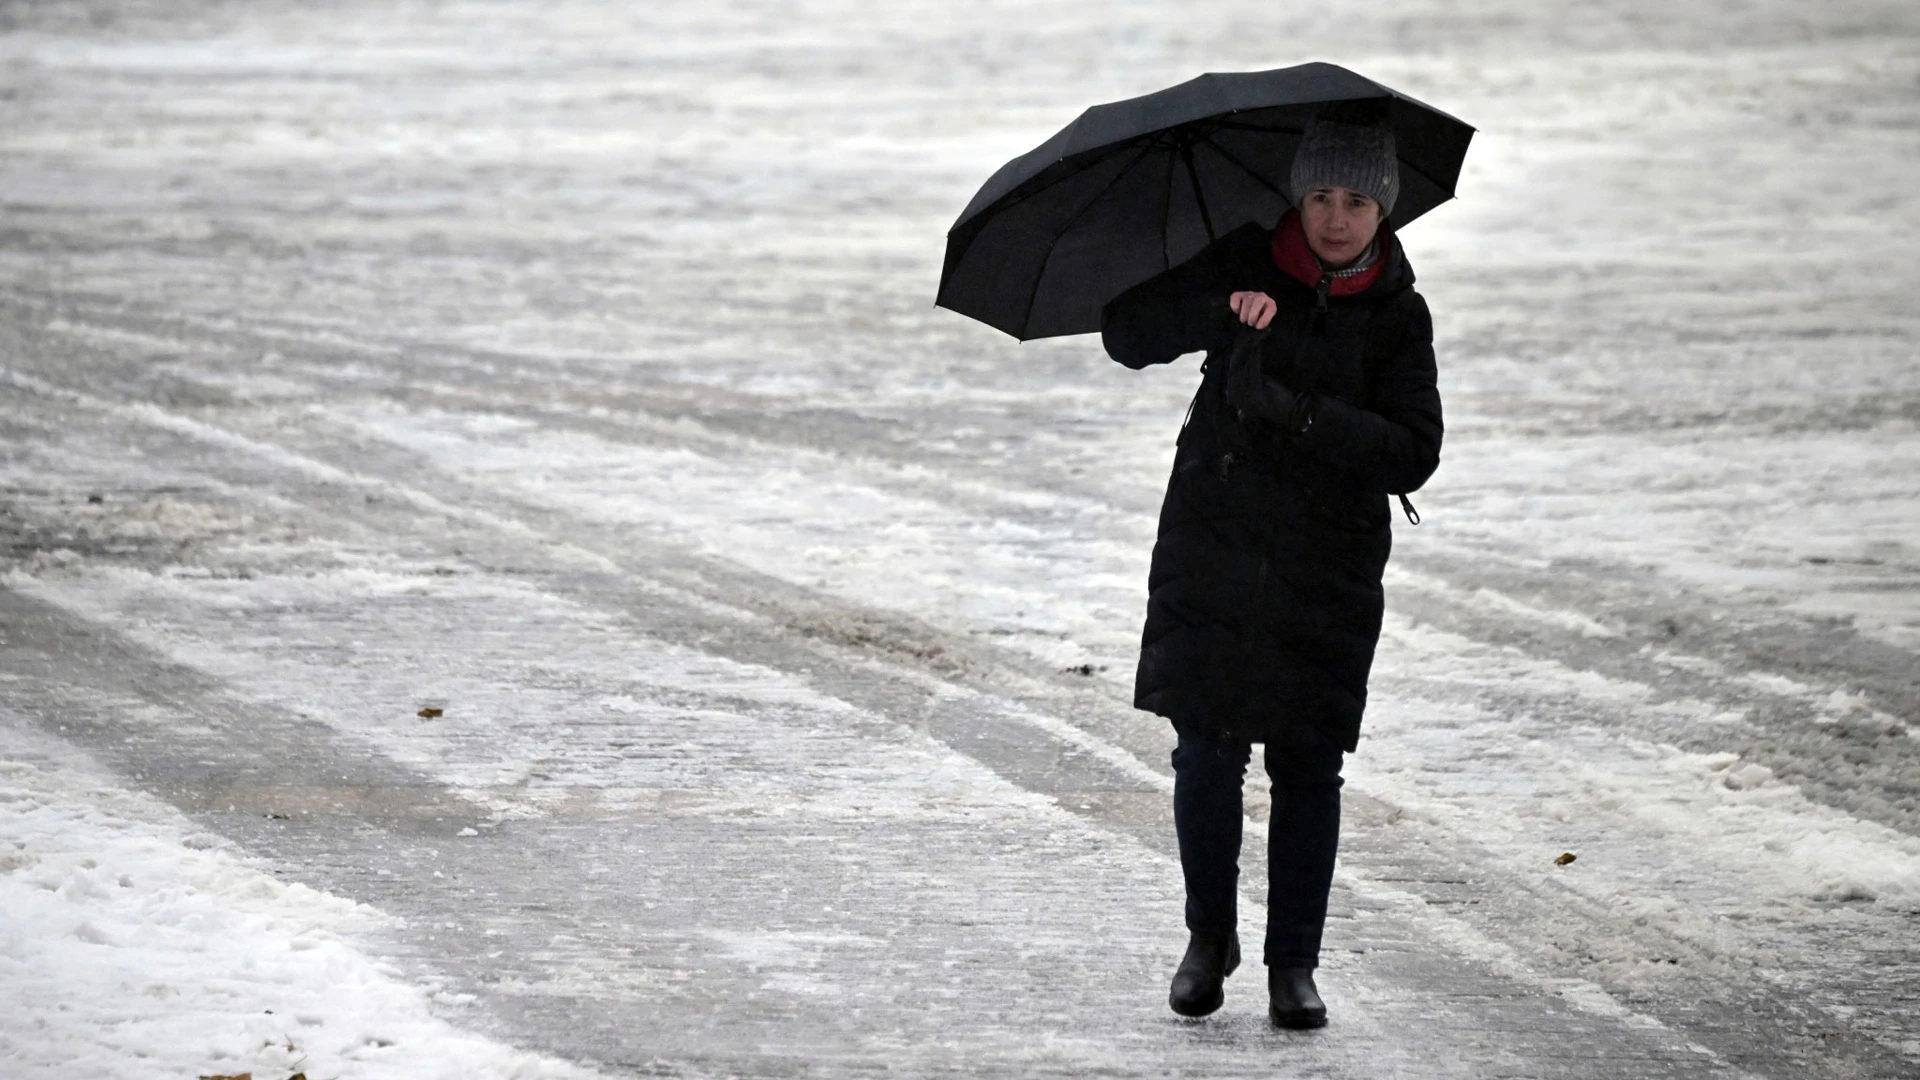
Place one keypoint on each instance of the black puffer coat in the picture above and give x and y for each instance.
(1264, 601)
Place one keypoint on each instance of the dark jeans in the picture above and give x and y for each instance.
(1303, 836)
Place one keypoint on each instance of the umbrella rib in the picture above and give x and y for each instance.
(1429, 176)
(1199, 197)
(1166, 219)
(1010, 199)
(1033, 296)
(1242, 125)
(1243, 167)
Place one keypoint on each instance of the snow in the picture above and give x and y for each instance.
(570, 368)
(1759, 841)
(973, 573)
(137, 945)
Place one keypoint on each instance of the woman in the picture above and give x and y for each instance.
(1317, 401)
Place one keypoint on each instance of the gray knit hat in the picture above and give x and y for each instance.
(1359, 157)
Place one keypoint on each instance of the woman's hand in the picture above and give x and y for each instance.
(1245, 380)
(1250, 392)
(1253, 308)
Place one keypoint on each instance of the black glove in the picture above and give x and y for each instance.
(1250, 393)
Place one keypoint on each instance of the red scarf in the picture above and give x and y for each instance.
(1291, 253)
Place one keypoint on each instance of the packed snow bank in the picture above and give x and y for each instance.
(134, 946)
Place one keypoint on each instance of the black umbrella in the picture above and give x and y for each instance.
(1134, 187)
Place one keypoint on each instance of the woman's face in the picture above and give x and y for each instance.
(1340, 223)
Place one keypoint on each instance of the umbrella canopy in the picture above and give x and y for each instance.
(1134, 187)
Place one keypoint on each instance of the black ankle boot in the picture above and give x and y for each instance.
(1197, 988)
(1293, 1002)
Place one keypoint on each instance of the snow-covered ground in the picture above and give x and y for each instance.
(138, 944)
(570, 369)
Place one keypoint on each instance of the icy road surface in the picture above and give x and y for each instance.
(570, 369)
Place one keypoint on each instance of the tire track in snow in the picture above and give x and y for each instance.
(1840, 741)
(138, 944)
(180, 266)
(1838, 737)
(415, 826)
(1745, 635)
